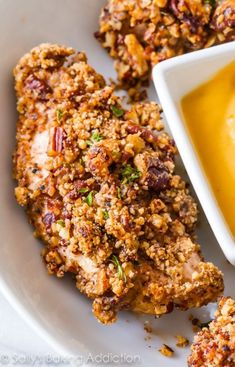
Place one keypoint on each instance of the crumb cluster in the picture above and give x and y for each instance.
(166, 351)
(182, 342)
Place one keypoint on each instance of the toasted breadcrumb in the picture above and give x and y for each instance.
(148, 328)
(100, 187)
(182, 342)
(166, 351)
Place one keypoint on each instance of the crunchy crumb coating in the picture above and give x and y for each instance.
(100, 187)
(215, 346)
(139, 34)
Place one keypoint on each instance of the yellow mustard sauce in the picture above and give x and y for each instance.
(209, 113)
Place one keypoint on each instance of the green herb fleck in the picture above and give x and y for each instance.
(95, 138)
(118, 112)
(210, 2)
(129, 174)
(119, 193)
(81, 161)
(89, 198)
(59, 114)
(83, 190)
(105, 214)
(60, 222)
(121, 273)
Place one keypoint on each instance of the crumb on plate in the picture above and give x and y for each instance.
(166, 351)
(182, 342)
(148, 328)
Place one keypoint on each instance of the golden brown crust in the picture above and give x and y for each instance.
(100, 187)
(215, 346)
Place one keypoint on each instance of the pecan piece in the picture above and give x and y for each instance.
(145, 133)
(55, 145)
(37, 87)
(155, 175)
(48, 219)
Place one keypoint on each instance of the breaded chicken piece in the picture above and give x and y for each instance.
(215, 346)
(139, 34)
(100, 187)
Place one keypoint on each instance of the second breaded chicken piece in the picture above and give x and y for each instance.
(215, 346)
(140, 34)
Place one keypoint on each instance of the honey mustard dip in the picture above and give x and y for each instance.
(209, 113)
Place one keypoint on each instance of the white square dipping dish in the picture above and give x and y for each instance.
(173, 79)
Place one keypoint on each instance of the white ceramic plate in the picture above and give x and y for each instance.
(54, 307)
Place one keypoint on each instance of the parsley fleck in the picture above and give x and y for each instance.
(59, 114)
(119, 194)
(121, 273)
(95, 138)
(89, 198)
(83, 190)
(129, 174)
(210, 2)
(81, 161)
(105, 214)
(60, 222)
(118, 112)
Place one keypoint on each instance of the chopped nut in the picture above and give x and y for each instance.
(166, 350)
(182, 342)
(55, 145)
